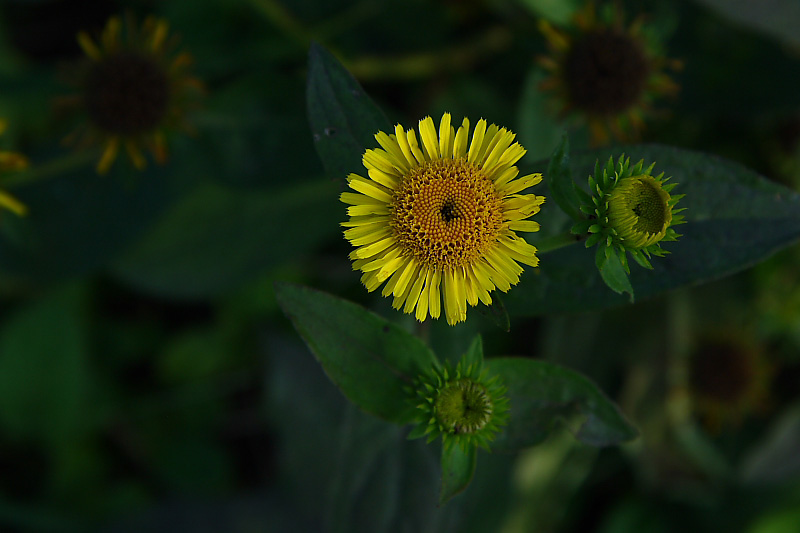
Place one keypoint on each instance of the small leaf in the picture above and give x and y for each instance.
(557, 11)
(474, 354)
(612, 271)
(370, 359)
(458, 468)
(343, 118)
(779, 21)
(559, 180)
(538, 127)
(45, 371)
(543, 395)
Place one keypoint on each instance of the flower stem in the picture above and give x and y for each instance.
(50, 169)
(548, 244)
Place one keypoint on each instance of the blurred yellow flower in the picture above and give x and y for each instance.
(11, 161)
(606, 73)
(134, 89)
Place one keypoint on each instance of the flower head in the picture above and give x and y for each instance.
(133, 90)
(11, 161)
(436, 220)
(728, 378)
(464, 406)
(606, 72)
(629, 210)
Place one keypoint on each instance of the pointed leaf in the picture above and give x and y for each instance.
(343, 118)
(543, 395)
(474, 354)
(458, 468)
(370, 359)
(612, 271)
(559, 180)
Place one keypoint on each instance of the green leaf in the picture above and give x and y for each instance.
(458, 468)
(543, 395)
(382, 481)
(474, 354)
(344, 120)
(216, 239)
(370, 359)
(538, 127)
(735, 218)
(612, 271)
(558, 11)
(774, 459)
(779, 20)
(78, 221)
(559, 180)
(45, 379)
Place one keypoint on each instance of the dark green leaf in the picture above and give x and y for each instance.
(735, 218)
(775, 459)
(382, 481)
(458, 468)
(538, 127)
(559, 180)
(45, 379)
(370, 359)
(612, 271)
(779, 21)
(543, 395)
(77, 221)
(560, 12)
(474, 354)
(344, 120)
(217, 239)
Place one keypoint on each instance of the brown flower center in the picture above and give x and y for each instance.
(605, 72)
(446, 213)
(126, 93)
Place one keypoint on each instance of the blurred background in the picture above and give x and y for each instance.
(148, 381)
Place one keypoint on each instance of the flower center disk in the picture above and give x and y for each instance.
(649, 206)
(446, 213)
(463, 407)
(127, 94)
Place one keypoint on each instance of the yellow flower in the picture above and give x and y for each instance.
(606, 73)
(11, 161)
(436, 220)
(134, 90)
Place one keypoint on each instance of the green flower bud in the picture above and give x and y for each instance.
(630, 211)
(464, 406)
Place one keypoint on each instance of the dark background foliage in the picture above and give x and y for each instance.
(148, 381)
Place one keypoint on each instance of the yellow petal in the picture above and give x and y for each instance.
(109, 155)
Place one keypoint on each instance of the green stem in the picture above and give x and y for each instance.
(425, 64)
(423, 331)
(548, 244)
(49, 169)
